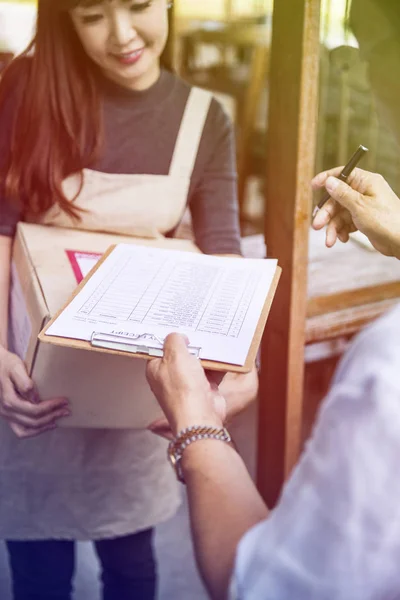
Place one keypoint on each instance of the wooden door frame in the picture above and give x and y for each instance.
(291, 147)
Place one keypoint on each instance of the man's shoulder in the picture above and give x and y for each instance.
(375, 352)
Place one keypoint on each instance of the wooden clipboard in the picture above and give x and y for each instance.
(207, 364)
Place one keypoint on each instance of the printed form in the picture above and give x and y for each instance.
(215, 301)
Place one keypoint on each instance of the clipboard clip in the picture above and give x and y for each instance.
(144, 343)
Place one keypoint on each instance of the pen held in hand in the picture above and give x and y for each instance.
(347, 170)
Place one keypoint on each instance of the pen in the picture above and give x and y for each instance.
(351, 165)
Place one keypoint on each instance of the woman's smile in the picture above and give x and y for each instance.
(129, 58)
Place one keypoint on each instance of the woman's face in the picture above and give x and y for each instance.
(125, 38)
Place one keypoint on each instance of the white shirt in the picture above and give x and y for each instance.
(335, 534)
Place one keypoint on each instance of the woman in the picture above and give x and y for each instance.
(98, 135)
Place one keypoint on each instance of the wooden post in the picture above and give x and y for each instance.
(291, 141)
(248, 117)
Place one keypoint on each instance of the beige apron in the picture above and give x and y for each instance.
(91, 484)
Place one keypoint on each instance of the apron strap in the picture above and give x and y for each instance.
(190, 132)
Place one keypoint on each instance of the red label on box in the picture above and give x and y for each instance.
(82, 262)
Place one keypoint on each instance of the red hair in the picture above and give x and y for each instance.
(57, 125)
(57, 129)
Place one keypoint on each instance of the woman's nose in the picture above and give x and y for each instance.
(123, 31)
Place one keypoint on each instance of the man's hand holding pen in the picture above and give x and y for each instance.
(366, 203)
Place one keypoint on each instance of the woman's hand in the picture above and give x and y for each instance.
(183, 390)
(239, 391)
(365, 203)
(19, 403)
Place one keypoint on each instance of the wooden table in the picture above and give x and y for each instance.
(348, 286)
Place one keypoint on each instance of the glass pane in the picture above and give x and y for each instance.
(348, 105)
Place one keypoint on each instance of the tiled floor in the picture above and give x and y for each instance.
(177, 570)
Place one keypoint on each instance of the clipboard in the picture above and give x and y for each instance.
(136, 346)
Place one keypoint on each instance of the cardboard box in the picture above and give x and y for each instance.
(104, 391)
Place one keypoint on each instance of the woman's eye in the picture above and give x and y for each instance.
(140, 6)
(91, 19)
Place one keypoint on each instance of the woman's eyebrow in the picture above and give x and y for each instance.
(91, 3)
